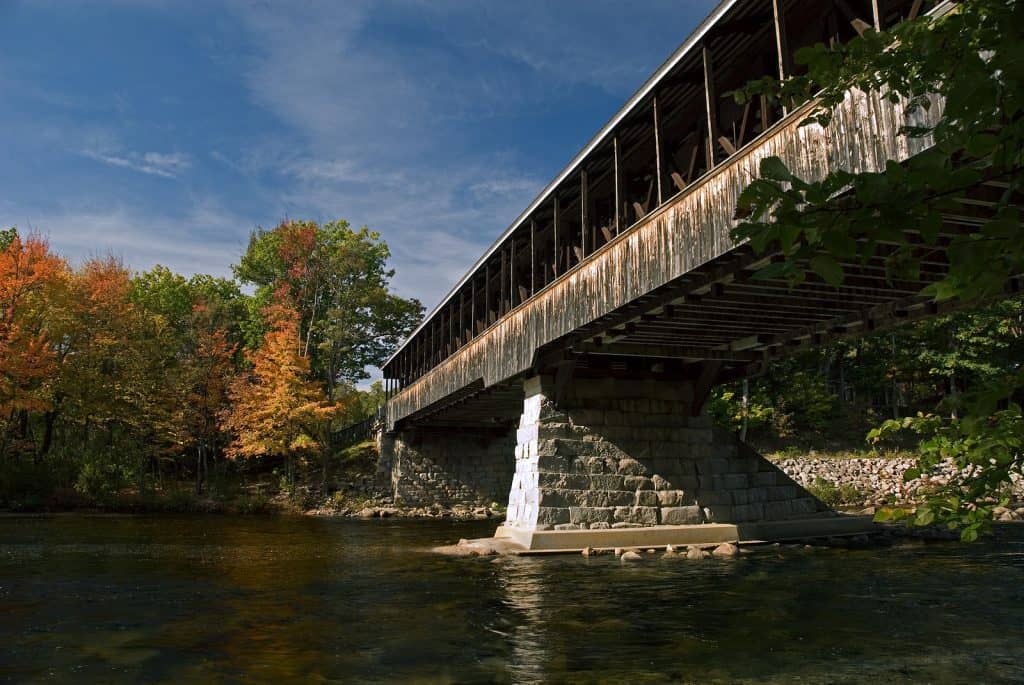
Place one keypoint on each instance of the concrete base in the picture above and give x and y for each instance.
(551, 541)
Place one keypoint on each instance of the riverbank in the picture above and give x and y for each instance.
(842, 479)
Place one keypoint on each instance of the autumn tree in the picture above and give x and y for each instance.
(204, 315)
(339, 281)
(276, 410)
(206, 374)
(116, 396)
(28, 274)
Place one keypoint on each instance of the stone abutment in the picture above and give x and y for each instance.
(611, 453)
(447, 467)
(625, 453)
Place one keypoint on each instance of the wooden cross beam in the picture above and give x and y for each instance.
(663, 352)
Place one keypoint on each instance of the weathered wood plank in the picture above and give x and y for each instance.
(689, 231)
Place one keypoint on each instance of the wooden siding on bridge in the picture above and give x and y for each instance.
(688, 231)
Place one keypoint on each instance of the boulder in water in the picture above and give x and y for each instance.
(726, 549)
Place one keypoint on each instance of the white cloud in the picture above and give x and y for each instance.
(167, 165)
(204, 239)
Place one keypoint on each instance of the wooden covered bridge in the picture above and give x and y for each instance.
(569, 366)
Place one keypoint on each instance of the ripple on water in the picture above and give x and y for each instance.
(195, 600)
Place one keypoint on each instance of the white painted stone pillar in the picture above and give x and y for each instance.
(524, 497)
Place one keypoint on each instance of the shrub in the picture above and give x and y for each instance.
(833, 495)
(180, 502)
(726, 408)
(99, 481)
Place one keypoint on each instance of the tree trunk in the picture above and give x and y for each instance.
(842, 381)
(49, 419)
(3, 446)
(745, 404)
(895, 386)
(199, 470)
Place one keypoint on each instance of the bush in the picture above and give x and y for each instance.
(726, 408)
(100, 481)
(180, 502)
(804, 403)
(833, 496)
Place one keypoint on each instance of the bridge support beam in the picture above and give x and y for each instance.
(620, 453)
(447, 467)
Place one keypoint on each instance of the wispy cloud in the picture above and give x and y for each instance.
(375, 139)
(167, 165)
(204, 238)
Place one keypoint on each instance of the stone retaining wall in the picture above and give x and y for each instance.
(424, 467)
(875, 479)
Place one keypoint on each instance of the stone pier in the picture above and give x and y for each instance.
(448, 467)
(621, 453)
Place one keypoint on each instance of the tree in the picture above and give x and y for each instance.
(338, 280)
(275, 409)
(973, 58)
(206, 373)
(115, 392)
(28, 273)
(162, 292)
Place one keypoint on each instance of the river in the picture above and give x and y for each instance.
(279, 600)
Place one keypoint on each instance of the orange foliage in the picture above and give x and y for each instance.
(298, 240)
(28, 271)
(276, 409)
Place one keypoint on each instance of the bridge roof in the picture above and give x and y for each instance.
(602, 136)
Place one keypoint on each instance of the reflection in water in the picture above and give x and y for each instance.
(524, 607)
(198, 600)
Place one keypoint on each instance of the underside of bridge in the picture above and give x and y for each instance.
(571, 366)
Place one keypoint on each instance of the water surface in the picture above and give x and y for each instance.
(277, 600)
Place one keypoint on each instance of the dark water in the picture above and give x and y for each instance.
(199, 600)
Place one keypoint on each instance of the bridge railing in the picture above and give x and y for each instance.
(361, 430)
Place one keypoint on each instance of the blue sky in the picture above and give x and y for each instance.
(163, 131)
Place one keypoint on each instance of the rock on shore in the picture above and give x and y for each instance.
(875, 480)
(383, 508)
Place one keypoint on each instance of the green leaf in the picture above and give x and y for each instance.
(775, 169)
(828, 268)
(925, 516)
(839, 244)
